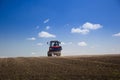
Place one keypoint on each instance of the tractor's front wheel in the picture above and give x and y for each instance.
(49, 54)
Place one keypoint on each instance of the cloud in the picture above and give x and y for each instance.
(86, 28)
(62, 43)
(117, 34)
(66, 43)
(91, 26)
(44, 34)
(32, 38)
(39, 44)
(82, 43)
(78, 30)
(47, 27)
(46, 21)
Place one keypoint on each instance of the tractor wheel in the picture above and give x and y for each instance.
(59, 54)
(49, 54)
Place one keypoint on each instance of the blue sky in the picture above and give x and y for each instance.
(83, 26)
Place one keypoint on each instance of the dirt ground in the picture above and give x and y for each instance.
(104, 67)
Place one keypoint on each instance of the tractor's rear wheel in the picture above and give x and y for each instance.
(59, 54)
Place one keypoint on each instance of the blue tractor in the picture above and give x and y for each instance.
(54, 48)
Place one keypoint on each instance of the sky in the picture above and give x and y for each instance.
(84, 27)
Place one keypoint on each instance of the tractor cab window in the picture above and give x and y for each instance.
(54, 44)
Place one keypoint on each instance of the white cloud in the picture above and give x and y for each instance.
(47, 27)
(86, 28)
(78, 30)
(62, 43)
(117, 34)
(46, 21)
(91, 26)
(82, 43)
(39, 44)
(44, 34)
(32, 38)
(66, 43)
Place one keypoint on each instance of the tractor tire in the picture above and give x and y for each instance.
(59, 54)
(49, 54)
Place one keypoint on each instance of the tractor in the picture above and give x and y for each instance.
(54, 48)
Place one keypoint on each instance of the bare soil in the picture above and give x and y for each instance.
(104, 67)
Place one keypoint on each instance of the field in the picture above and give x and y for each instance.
(104, 67)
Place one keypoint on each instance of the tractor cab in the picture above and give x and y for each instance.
(54, 48)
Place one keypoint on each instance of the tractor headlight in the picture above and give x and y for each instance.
(50, 48)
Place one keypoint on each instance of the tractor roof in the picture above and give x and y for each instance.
(55, 41)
